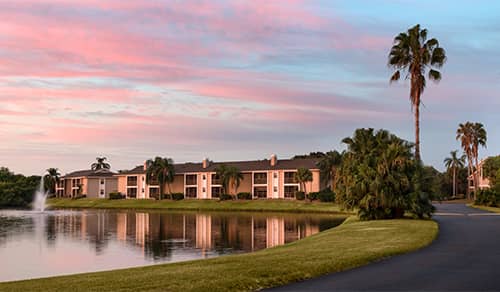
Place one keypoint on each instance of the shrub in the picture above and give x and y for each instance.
(177, 196)
(225, 197)
(326, 196)
(487, 197)
(116, 196)
(79, 197)
(244, 196)
(313, 196)
(300, 195)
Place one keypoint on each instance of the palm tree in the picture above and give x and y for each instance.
(234, 177)
(471, 136)
(160, 170)
(51, 179)
(328, 166)
(220, 172)
(413, 53)
(100, 164)
(453, 163)
(302, 176)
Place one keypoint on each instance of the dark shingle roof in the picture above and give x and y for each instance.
(89, 172)
(244, 166)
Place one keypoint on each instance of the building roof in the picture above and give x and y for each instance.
(243, 166)
(90, 173)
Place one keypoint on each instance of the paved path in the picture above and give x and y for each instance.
(465, 256)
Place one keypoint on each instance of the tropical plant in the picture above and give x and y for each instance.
(453, 163)
(380, 177)
(491, 169)
(51, 179)
(230, 177)
(160, 170)
(471, 137)
(302, 176)
(414, 54)
(328, 166)
(100, 164)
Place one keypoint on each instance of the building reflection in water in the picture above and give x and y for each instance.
(160, 235)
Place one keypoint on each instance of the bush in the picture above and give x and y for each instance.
(244, 196)
(300, 195)
(225, 197)
(177, 196)
(326, 196)
(116, 196)
(487, 197)
(79, 197)
(313, 196)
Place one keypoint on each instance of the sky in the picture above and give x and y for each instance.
(231, 80)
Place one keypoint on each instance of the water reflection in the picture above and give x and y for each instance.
(62, 242)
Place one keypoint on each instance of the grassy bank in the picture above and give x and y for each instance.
(201, 205)
(349, 245)
(491, 209)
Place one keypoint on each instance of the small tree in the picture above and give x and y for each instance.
(302, 176)
(100, 164)
(454, 163)
(51, 179)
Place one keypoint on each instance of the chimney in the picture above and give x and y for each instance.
(274, 160)
(145, 167)
(205, 163)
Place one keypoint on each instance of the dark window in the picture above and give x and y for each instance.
(275, 175)
(191, 192)
(132, 192)
(204, 177)
(216, 191)
(102, 181)
(290, 191)
(102, 192)
(153, 192)
(290, 177)
(191, 179)
(260, 178)
(260, 192)
(216, 179)
(132, 181)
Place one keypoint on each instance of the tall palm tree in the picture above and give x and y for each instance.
(453, 163)
(472, 136)
(51, 179)
(328, 166)
(221, 171)
(160, 170)
(100, 164)
(302, 176)
(414, 54)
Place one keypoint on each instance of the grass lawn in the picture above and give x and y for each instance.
(198, 205)
(352, 244)
(491, 209)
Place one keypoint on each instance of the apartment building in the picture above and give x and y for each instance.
(92, 183)
(264, 179)
(483, 181)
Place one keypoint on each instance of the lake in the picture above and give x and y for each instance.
(59, 242)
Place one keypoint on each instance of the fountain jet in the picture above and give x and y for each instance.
(40, 197)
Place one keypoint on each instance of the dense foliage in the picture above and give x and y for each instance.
(488, 197)
(380, 176)
(491, 169)
(16, 190)
(160, 171)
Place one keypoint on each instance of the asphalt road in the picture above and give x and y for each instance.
(464, 257)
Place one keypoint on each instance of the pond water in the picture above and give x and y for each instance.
(57, 242)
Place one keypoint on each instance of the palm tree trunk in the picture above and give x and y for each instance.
(454, 183)
(417, 127)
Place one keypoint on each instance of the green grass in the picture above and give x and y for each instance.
(352, 244)
(486, 208)
(202, 205)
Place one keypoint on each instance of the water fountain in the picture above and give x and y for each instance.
(40, 197)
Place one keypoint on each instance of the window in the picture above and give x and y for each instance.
(290, 191)
(191, 192)
(290, 177)
(132, 192)
(191, 179)
(260, 192)
(132, 181)
(204, 190)
(204, 177)
(153, 181)
(153, 192)
(275, 175)
(260, 178)
(216, 179)
(102, 181)
(102, 192)
(216, 191)
(275, 189)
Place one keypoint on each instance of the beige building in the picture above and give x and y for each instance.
(92, 183)
(483, 181)
(266, 179)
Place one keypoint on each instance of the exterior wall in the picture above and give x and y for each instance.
(483, 181)
(178, 185)
(92, 187)
(122, 184)
(111, 185)
(246, 183)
